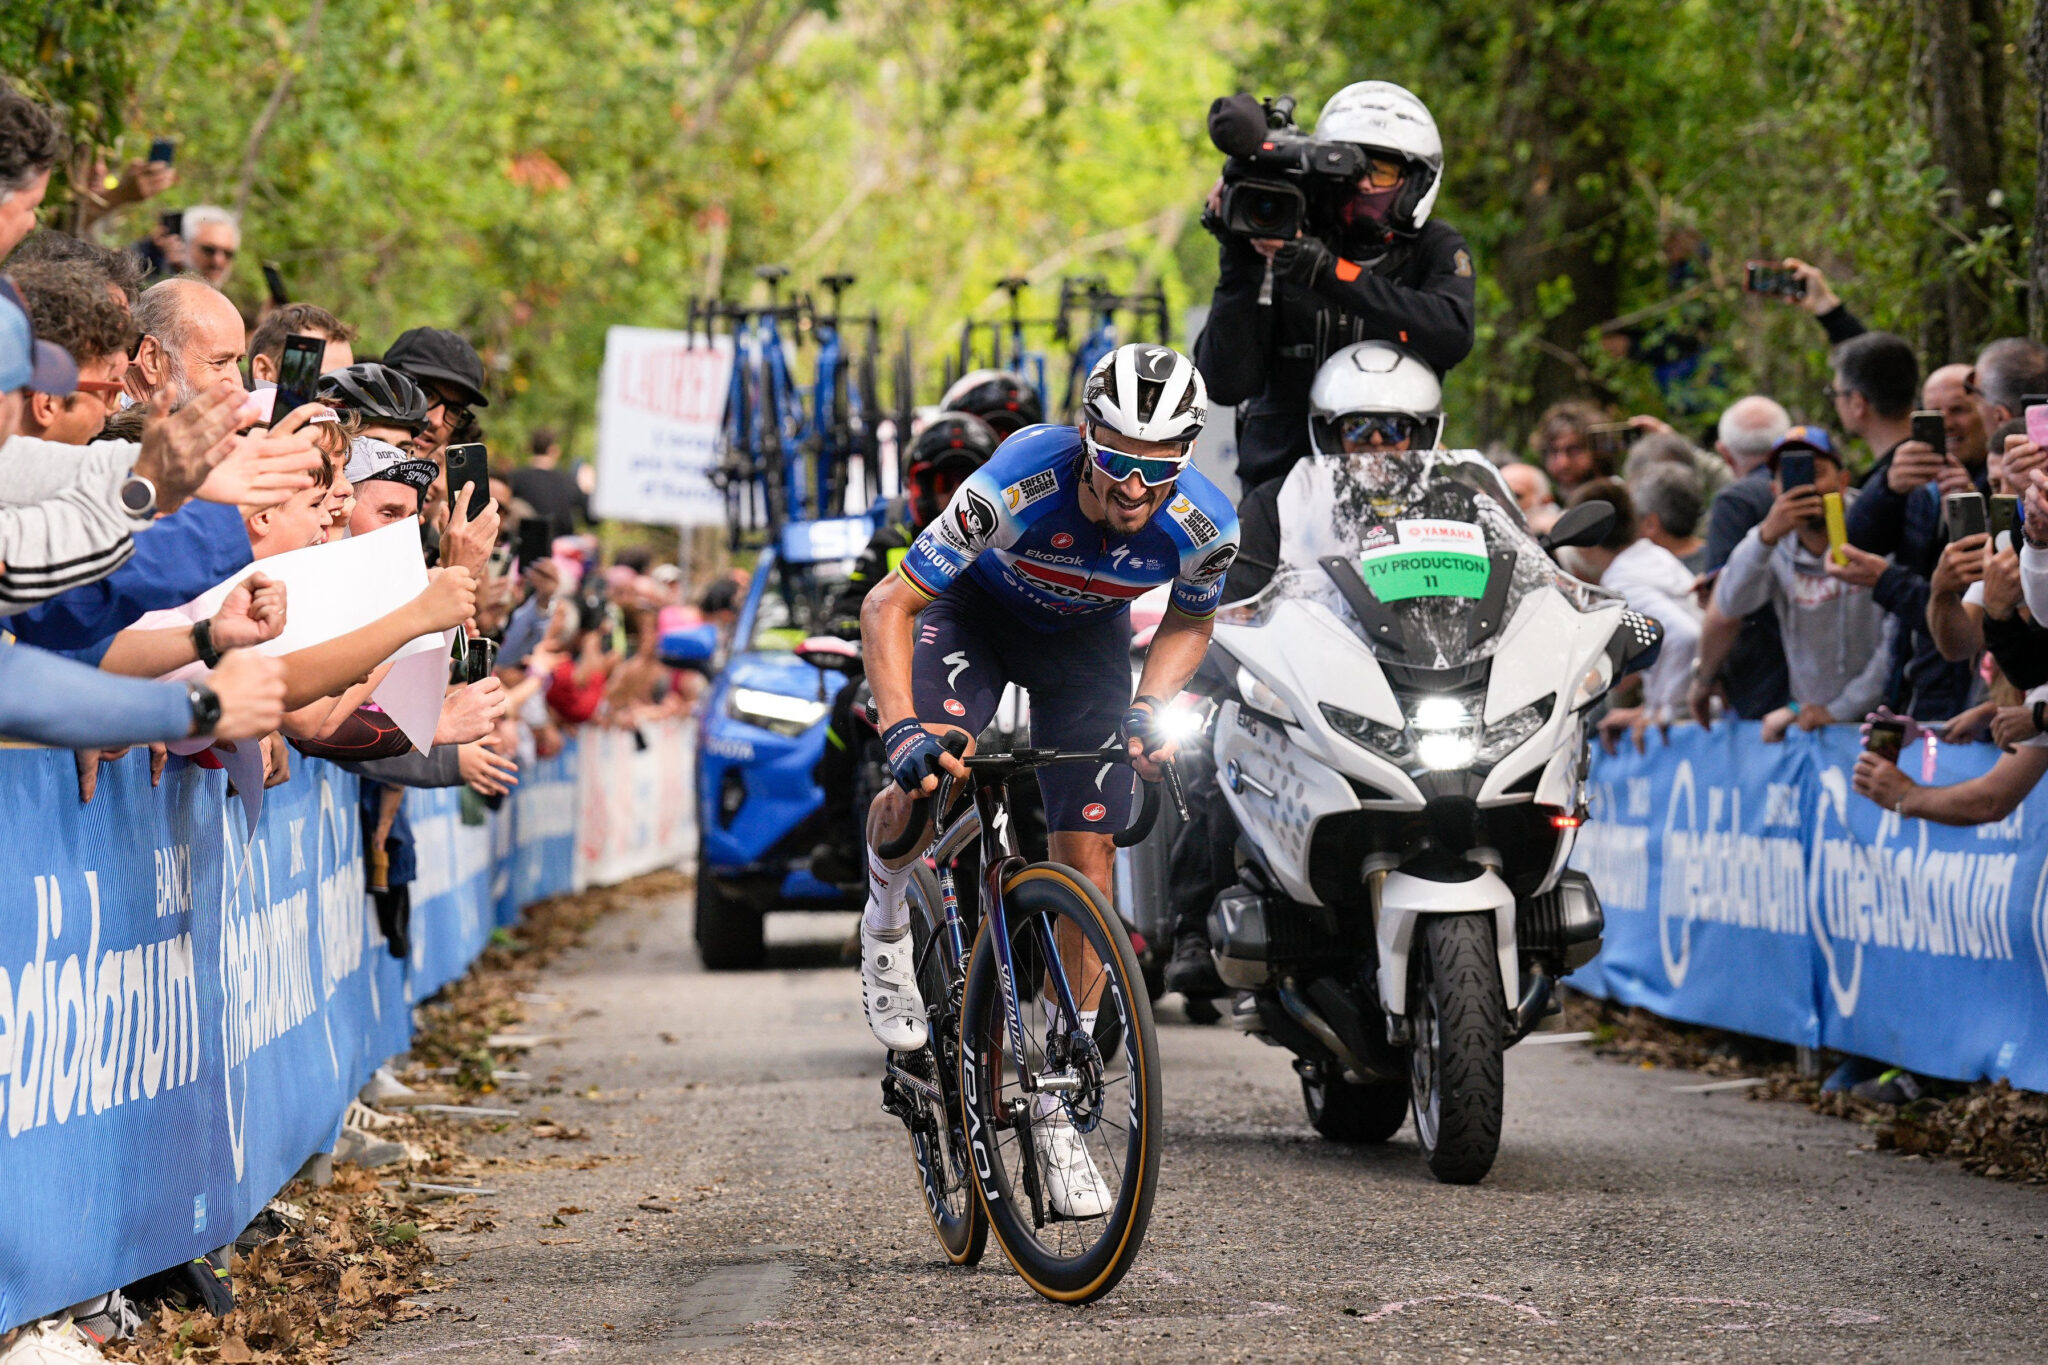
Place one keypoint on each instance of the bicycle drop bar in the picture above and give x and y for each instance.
(1016, 761)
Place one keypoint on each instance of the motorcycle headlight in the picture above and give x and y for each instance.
(1509, 733)
(773, 711)
(1368, 733)
(1260, 697)
(1442, 732)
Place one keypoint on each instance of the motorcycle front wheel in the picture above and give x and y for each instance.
(1455, 1075)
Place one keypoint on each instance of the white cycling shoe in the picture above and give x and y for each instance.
(889, 994)
(1072, 1184)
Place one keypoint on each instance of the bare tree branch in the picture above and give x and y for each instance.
(309, 34)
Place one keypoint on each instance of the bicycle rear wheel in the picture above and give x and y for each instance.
(1078, 1254)
(938, 1142)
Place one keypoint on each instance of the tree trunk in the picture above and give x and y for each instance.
(1962, 68)
(1562, 274)
(2037, 263)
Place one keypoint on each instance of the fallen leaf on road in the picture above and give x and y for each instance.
(558, 1241)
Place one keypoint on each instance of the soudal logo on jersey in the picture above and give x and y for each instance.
(1075, 587)
(1094, 810)
(1061, 540)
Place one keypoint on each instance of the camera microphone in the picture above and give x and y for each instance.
(1237, 125)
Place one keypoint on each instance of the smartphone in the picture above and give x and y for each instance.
(1886, 739)
(1929, 430)
(2037, 422)
(164, 149)
(273, 282)
(534, 539)
(298, 373)
(174, 222)
(1768, 277)
(1838, 527)
(1965, 515)
(2005, 514)
(1795, 470)
(1610, 440)
(469, 467)
(472, 659)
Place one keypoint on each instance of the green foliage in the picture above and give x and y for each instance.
(534, 171)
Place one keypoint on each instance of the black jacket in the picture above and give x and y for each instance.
(1263, 358)
(883, 553)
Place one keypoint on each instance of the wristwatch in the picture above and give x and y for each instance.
(138, 497)
(202, 642)
(205, 709)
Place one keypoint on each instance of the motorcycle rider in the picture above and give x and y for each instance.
(949, 448)
(1369, 398)
(1027, 577)
(1385, 271)
(1002, 398)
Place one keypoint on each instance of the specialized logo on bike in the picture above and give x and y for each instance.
(1026, 491)
(953, 707)
(1061, 540)
(977, 518)
(1425, 558)
(1094, 810)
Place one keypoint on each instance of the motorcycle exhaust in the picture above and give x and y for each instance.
(1305, 1014)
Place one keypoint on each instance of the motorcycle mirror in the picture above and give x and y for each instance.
(1580, 526)
(691, 649)
(829, 652)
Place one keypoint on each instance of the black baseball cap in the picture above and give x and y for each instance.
(431, 353)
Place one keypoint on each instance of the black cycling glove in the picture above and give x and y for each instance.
(1301, 261)
(913, 753)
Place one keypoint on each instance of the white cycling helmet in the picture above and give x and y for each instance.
(1147, 392)
(1374, 378)
(1384, 117)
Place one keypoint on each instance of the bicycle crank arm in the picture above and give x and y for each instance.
(918, 1084)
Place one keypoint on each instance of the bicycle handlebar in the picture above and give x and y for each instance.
(1018, 760)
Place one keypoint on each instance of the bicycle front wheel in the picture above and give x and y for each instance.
(1067, 1174)
(938, 1142)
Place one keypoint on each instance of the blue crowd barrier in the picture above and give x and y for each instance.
(1748, 887)
(187, 1006)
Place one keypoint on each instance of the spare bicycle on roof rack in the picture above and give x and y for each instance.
(1099, 334)
(1000, 344)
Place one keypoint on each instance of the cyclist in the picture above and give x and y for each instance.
(952, 446)
(1027, 577)
(1002, 398)
(1369, 398)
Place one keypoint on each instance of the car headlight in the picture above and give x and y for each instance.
(1260, 697)
(774, 711)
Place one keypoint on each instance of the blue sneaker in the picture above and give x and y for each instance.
(1852, 1072)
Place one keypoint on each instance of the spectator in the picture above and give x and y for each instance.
(384, 404)
(212, 239)
(1948, 392)
(550, 489)
(2007, 370)
(1667, 503)
(1754, 675)
(1836, 638)
(266, 343)
(1820, 300)
(1532, 494)
(1875, 379)
(71, 309)
(1899, 514)
(116, 271)
(192, 339)
(1563, 443)
(1653, 581)
(1659, 444)
(29, 147)
(450, 373)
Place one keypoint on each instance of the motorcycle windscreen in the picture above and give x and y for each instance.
(1435, 539)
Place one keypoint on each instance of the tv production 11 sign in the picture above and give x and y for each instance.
(661, 404)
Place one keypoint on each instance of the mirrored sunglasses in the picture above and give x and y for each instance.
(1152, 470)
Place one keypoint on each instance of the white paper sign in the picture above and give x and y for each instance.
(661, 403)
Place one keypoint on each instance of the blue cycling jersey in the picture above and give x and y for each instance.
(1017, 528)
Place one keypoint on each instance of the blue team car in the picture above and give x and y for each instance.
(761, 733)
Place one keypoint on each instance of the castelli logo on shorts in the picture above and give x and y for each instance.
(954, 708)
(1062, 541)
(1094, 810)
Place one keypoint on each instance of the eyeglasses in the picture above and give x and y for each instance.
(458, 412)
(108, 391)
(226, 253)
(1970, 384)
(1152, 470)
(1382, 174)
(1358, 428)
(1831, 394)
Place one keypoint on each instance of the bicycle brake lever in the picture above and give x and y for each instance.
(1173, 789)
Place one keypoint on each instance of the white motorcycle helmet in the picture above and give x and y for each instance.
(1383, 117)
(1374, 379)
(1147, 392)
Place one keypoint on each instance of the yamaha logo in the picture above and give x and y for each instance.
(1094, 810)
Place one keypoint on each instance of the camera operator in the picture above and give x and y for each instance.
(1362, 263)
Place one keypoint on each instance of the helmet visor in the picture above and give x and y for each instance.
(1355, 431)
(1153, 470)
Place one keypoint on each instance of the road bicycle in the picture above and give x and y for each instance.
(1007, 347)
(1100, 304)
(1008, 1057)
(845, 407)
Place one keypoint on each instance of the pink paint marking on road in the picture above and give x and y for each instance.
(1387, 1310)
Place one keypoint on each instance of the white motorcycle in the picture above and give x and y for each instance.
(1402, 734)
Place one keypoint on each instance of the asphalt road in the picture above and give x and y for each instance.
(1623, 1221)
